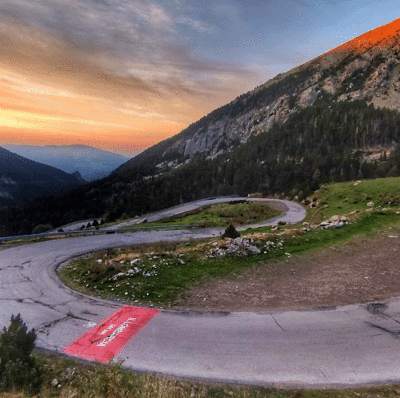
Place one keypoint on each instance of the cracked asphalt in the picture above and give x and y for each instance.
(350, 345)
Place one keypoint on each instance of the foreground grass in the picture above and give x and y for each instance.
(66, 378)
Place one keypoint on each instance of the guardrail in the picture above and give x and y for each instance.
(157, 227)
(101, 231)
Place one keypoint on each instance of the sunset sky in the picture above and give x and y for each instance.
(122, 75)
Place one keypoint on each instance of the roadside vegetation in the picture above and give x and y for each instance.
(159, 274)
(67, 378)
(221, 215)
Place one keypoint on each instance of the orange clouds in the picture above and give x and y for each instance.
(73, 74)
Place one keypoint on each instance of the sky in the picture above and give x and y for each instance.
(122, 75)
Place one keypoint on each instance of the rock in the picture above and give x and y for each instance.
(67, 374)
(238, 246)
(333, 222)
(119, 275)
(338, 224)
(370, 204)
(253, 250)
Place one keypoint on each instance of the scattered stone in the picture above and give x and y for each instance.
(253, 250)
(370, 204)
(238, 247)
(332, 223)
(67, 374)
(119, 275)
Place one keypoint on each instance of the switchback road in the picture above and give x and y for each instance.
(344, 346)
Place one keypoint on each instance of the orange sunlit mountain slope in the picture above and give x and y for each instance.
(385, 36)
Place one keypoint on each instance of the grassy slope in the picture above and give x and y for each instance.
(74, 379)
(164, 272)
(221, 215)
(347, 197)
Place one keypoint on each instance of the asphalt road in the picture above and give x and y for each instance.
(345, 346)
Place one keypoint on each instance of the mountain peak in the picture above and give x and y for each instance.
(381, 38)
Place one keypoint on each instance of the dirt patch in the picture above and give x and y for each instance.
(362, 270)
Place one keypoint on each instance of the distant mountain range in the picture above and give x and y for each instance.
(91, 163)
(22, 179)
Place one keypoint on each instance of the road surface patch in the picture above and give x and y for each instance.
(103, 341)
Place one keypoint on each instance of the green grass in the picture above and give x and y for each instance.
(344, 198)
(160, 278)
(367, 225)
(67, 378)
(221, 215)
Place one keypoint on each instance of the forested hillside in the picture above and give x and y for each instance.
(322, 143)
(22, 179)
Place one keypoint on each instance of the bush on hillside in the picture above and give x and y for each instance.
(18, 368)
(42, 228)
(231, 232)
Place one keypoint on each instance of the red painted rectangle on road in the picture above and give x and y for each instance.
(103, 341)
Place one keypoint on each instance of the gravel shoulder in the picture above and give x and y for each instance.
(361, 270)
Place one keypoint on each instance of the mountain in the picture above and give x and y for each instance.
(24, 179)
(91, 163)
(366, 68)
(334, 118)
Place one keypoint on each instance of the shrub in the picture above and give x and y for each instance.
(231, 232)
(42, 228)
(17, 365)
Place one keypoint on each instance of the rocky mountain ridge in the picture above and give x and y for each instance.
(366, 68)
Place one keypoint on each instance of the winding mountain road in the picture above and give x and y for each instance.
(344, 346)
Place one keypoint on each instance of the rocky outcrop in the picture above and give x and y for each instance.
(368, 76)
(333, 223)
(234, 247)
